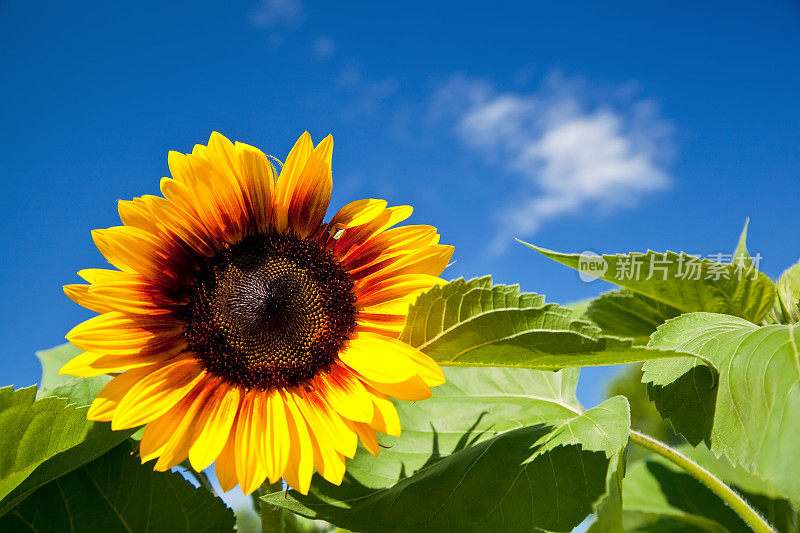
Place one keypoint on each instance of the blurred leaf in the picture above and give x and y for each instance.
(659, 496)
(627, 314)
(475, 323)
(117, 493)
(44, 439)
(750, 412)
(52, 360)
(644, 415)
(741, 256)
(788, 301)
(745, 293)
(293, 523)
(579, 308)
(81, 391)
(494, 450)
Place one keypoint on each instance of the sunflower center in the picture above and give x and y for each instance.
(271, 311)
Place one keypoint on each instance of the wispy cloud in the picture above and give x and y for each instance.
(277, 14)
(571, 148)
(323, 47)
(367, 94)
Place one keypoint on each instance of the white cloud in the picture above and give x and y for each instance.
(365, 95)
(571, 148)
(324, 47)
(277, 14)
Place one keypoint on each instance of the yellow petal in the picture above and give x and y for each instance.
(107, 400)
(212, 197)
(330, 463)
(90, 364)
(171, 222)
(396, 287)
(80, 295)
(225, 465)
(325, 424)
(379, 358)
(101, 275)
(397, 306)
(428, 369)
(356, 213)
(289, 176)
(300, 466)
(411, 390)
(346, 395)
(260, 177)
(385, 418)
(388, 244)
(156, 434)
(367, 437)
(134, 250)
(327, 438)
(214, 426)
(156, 393)
(134, 297)
(250, 428)
(116, 333)
(309, 199)
(388, 325)
(277, 440)
(355, 236)
(431, 261)
(185, 419)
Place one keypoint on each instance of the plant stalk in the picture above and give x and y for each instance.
(727, 494)
(271, 516)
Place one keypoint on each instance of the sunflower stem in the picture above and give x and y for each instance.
(271, 516)
(725, 493)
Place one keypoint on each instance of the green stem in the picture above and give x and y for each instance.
(727, 494)
(271, 516)
(202, 478)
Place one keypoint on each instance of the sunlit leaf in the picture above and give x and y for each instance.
(81, 391)
(750, 412)
(475, 323)
(41, 440)
(683, 282)
(52, 360)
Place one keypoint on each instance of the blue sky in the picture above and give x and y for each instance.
(605, 126)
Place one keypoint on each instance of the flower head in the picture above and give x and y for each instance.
(242, 329)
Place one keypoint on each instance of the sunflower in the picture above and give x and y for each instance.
(243, 330)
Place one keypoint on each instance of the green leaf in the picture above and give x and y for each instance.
(81, 391)
(117, 493)
(751, 412)
(644, 415)
(719, 288)
(741, 256)
(608, 509)
(475, 323)
(41, 440)
(659, 496)
(494, 450)
(628, 314)
(788, 301)
(579, 307)
(52, 360)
